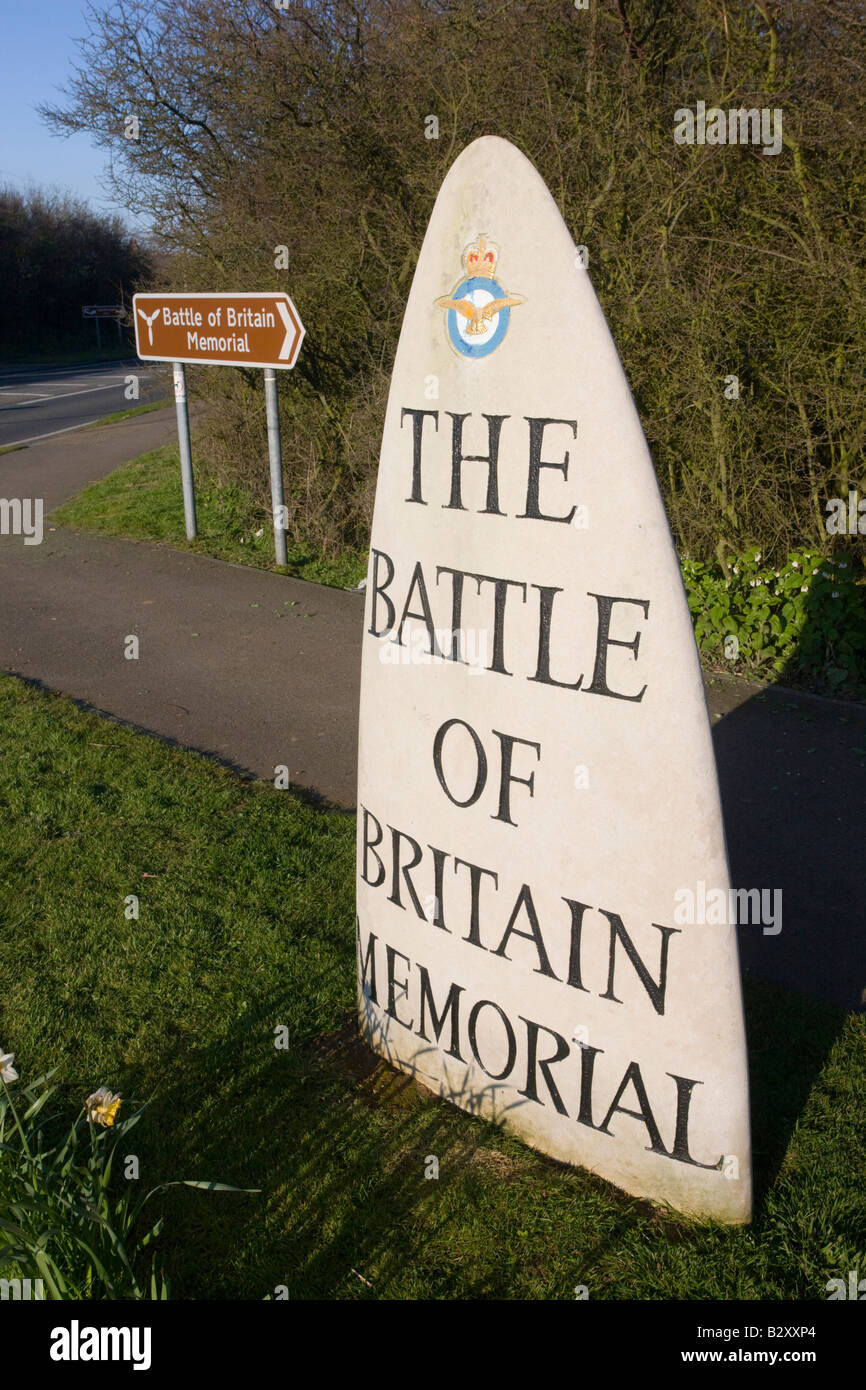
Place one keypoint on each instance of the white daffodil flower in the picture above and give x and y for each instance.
(102, 1106)
(7, 1071)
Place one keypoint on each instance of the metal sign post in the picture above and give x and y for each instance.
(276, 461)
(225, 329)
(185, 452)
(104, 311)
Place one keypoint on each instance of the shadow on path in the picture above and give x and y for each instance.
(792, 773)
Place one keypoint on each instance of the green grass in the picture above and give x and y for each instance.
(12, 448)
(128, 414)
(246, 923)
(144, 500)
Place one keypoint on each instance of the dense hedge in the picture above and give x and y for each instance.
(803, 622)
(732, 277)
(55, 256)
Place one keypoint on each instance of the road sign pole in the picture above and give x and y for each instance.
(261, 330)
(276, 461)
(185, 452)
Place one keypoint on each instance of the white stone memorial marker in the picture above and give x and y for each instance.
(544, 925)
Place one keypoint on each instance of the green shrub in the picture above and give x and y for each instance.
(59, 1220)
(805, 620)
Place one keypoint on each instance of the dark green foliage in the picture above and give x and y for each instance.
(55, 256)
(304, 127)
(804, 622)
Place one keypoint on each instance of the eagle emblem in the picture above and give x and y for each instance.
(478, 310)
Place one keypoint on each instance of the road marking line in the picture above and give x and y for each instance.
(75, 369)
(88, 391)
(54, 385)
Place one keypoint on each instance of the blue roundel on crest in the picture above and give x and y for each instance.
(477, 339)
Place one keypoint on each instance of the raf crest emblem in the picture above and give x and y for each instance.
(478, 309)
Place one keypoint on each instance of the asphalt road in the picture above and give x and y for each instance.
(37, 402)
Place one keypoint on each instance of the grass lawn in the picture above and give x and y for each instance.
(247, 923)
(128, 414)
(144, 499)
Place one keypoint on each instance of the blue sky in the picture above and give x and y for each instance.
(37, 54)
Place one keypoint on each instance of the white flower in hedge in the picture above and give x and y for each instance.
(835, 593)
(757, 557)
(7, 1071)
(736, 571)
(804, 588)
(794, 565)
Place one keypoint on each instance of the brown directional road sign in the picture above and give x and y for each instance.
(227, 330)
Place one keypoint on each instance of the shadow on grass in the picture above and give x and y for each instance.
(308, 795)
(792, 777)
(338, 1141)
(789, 1041)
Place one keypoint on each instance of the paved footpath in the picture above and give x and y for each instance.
(261, 670)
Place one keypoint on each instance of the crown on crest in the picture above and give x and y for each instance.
(480, 257)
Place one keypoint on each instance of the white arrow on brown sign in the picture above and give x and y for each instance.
(227, 330)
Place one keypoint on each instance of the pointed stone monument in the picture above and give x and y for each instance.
(539, 828)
